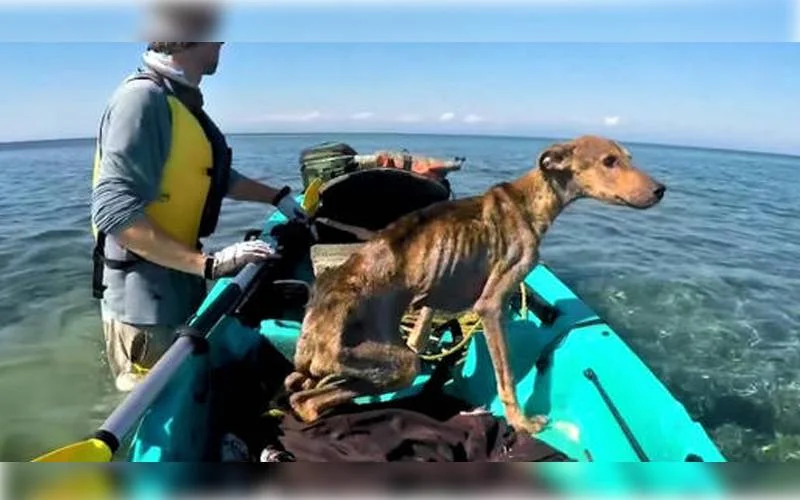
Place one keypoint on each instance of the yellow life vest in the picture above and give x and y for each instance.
(185, 181)
(193, 181)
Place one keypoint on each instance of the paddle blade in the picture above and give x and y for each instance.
(71, 483)
(311, 197)
(91, 450)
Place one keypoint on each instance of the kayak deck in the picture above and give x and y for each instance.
(603, 402)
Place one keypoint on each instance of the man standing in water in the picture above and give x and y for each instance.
(161, 170)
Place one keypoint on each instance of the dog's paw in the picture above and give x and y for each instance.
(304, 408)
(533, 425)
(294, 382)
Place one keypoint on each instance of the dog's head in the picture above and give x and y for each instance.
(599, 168)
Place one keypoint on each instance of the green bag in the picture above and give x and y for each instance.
(326, 161)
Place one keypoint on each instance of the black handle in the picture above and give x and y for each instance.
(637, 448)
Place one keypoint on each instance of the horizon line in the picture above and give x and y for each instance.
(12, 143)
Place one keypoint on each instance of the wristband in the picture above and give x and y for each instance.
(208, 269)
(285, 190)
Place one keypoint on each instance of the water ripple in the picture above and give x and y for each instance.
(704, 287)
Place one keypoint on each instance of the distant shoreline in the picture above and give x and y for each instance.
(46, 142)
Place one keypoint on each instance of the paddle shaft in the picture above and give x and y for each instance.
(119, 423)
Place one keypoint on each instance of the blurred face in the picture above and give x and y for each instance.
(202, 58)
(208, 56)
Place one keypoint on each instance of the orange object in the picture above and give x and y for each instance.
(433, 168)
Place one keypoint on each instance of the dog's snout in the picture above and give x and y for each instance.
(659, 191)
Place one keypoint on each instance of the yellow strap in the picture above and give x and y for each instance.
(139, 369)
(470, 324)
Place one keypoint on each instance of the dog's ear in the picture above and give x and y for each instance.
(556, 157)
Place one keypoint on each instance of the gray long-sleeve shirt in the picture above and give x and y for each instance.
(135, 136)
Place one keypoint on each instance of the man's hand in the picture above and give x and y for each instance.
(288, 206)
(231, 259)
(249, 190)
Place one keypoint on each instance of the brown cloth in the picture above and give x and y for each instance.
(419, 429)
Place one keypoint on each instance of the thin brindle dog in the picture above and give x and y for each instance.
(450, 256)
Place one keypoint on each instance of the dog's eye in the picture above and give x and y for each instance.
(610, 161)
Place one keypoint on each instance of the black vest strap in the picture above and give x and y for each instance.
(219, 173)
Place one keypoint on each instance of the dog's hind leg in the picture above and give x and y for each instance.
(368, 369)
(419, 334)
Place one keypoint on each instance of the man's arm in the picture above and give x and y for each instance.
(245, 189)
(135, 142)
(148, 241)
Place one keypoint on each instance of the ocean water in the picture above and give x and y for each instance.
(705, 287)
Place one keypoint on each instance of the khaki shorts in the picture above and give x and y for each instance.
(133, 349)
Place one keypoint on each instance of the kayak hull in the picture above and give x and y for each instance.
(604, 404)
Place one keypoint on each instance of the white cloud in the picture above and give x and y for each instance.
(291, 117)
(473, 119)
(364, 115)
(409, 118)
(611, 121)
(446, 117)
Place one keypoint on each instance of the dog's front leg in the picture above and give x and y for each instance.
(489, 307)
(506, 388)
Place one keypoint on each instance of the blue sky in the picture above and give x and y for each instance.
(646, 71)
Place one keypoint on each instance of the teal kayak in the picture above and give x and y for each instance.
(604, 404)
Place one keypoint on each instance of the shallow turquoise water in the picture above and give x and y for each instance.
(705, 287)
